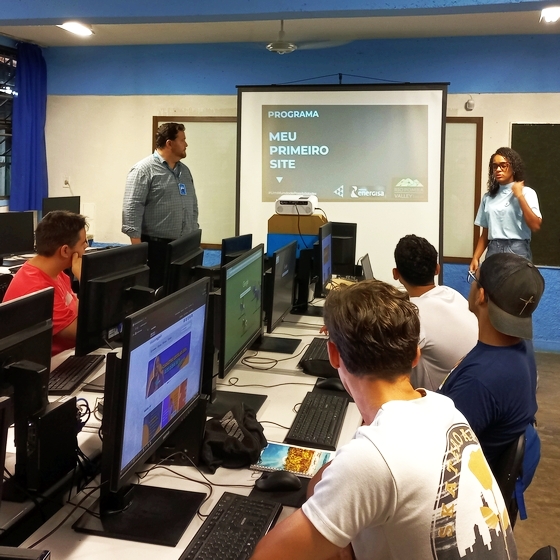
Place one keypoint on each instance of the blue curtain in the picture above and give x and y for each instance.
(29, 158)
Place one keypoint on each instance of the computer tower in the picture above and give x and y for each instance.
(52, 447)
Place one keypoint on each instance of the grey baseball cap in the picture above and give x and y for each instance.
(514, 287)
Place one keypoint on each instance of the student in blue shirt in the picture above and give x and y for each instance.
(509, 211)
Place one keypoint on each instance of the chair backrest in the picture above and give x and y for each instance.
(507, 470)
(545, 553)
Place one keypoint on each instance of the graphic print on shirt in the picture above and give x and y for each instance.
(467, 482)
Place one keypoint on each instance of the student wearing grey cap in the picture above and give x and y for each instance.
(495, 384)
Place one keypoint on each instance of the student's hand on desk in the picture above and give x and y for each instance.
(77, 265)
(324, 330)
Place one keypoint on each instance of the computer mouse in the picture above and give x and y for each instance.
(331, 384)
(278, 481)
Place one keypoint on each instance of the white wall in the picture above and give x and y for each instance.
(94, 140)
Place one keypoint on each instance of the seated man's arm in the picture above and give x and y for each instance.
(68, 333)
(295, 538)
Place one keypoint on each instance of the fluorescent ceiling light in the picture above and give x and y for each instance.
(550, 15)
(76, 28)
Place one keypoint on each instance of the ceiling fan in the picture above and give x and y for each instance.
(281, 46)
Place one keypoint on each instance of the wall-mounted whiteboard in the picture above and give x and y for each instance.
(371, 154)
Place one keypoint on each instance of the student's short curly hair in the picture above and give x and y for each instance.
(416, 260)
(56, 229)
(168, 131)
(375, 328)
(517, 166)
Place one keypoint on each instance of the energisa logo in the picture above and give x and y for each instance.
(358, 192)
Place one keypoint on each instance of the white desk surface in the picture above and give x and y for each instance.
(282, 398)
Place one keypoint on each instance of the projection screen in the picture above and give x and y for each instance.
(371, 154)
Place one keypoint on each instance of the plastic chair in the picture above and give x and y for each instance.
(545, 553)
(506, 471)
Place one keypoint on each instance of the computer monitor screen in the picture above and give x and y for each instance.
(16, 233)
(69, 203)
(241, 321)
(325, 262)
(148, 394)
(181, 257)
(281, 296)
(233, 247)
(114, 284)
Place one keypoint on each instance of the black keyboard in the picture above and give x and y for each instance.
(315, 360)
(14, 269)
(66, 377)
(318, 421)
(233, 529)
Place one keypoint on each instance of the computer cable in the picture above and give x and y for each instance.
(83, 411)
(57, 527)
(233, 381)
(254, 360)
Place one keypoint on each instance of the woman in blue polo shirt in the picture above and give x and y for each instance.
(509, 211)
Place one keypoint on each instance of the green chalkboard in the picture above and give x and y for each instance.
(539, 147)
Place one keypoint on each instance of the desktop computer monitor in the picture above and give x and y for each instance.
(69, 203)
(149, 392)
(344, 248)
(278, 298)
(182, 255)
(281, 295)
(323, 266)
(17, 235)
(114, 284)
(233, 247)
(241, 319)
(25, 359)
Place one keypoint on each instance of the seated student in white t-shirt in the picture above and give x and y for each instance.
(448, 330)
(414, 482)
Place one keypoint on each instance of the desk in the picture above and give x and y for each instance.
(67, 544)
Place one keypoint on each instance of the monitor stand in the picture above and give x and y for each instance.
(224, 401)
(308, 311)
(155, 516)
(277, 345)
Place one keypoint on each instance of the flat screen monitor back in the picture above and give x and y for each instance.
(148, 394)
(344, 248)
(16, 233)
(283, 274)
(367, 270)
(233, 247)
(114, 284)
(181, 257)
(69, 203)
(325, 259)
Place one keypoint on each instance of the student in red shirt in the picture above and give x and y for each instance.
(60, 242)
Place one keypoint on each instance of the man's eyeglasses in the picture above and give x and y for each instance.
(503, 165)
(471, 277)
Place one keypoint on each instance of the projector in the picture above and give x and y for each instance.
(296, 205)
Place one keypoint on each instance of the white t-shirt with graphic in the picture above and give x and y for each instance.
(413, 485)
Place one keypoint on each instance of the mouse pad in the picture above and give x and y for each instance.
(292, 498)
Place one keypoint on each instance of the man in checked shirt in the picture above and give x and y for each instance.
(160, 203)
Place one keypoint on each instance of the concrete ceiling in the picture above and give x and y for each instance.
(306, 33)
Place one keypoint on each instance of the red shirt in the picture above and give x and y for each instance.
(30, 279)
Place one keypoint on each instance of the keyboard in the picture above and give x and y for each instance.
(66, 377)
(315, 360)
(14, 269)
(233, 529)
(318, 421)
